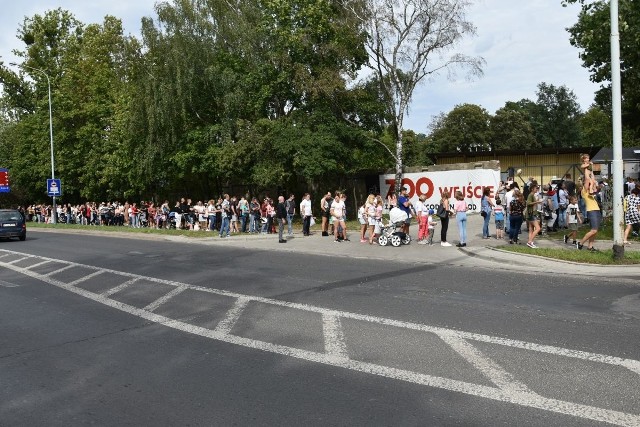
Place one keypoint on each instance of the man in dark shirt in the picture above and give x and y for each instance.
(570, 186)
(281, 214)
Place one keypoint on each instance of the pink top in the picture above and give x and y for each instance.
(460, 206)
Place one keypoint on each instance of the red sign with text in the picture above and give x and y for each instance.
(4, 181)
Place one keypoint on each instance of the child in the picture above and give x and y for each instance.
(587, 169)
(422, 214)
(498, 212)
(362, 218)
(431, 226)
(573, 219)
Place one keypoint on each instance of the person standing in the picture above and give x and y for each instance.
(306, 213)
(516, 214)
(405, 204)
(226, 216)
(572, 220)
(563, 204)
(422, 214)
(460, 207)
(290, 205)
(594, 215)
(533, 214)
(444, 220)
(281, 215)
(325, 210)
(632, 212)
(338, 214)
(486, 207)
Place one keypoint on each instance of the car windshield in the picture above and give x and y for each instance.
(10, 216)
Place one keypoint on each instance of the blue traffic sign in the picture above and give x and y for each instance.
(53, 187)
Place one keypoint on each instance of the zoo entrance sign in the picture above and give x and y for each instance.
(470, 182)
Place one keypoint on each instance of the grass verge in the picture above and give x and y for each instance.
(604, 257)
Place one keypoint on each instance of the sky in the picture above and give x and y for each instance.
(523, 42)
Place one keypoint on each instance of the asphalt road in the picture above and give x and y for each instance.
(113, 331)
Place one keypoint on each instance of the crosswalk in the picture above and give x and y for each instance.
(572, 382)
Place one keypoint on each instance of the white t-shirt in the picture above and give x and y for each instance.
(337, 209)
(508, 197)
(305, 207)
(572, 211)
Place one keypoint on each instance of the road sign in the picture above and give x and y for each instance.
(53, 187)
(4, 180)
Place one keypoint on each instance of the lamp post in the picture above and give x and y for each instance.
(54, 214)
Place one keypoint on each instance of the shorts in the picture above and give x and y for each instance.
(595, 217)
(499, 223)
(362, 221)
(534, 217)
(373, 221)
(573, 226)
(335, 219)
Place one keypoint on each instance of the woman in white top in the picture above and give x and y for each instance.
(370, 212)
(338, 214)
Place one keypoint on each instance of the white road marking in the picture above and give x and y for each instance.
(17, 260)
(226, 324)
(85, 278)
(8, 284)
(38, 264)
(511, 391)
(120, 287)
(60, 270)
(334, 342)
(488, 367)
(157, 303)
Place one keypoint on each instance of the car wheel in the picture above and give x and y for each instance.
(22, 237)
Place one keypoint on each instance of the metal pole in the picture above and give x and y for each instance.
(618, 172)
(54, 214)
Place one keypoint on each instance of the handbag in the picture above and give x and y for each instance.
(442, 212)
(483, 214)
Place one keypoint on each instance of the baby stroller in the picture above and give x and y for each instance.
(389, 234)
(172, 221)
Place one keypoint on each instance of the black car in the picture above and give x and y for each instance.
(12, 224)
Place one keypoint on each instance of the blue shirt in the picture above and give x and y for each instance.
(401, 201)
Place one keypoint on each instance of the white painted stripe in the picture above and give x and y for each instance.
(60, 270)
(157, 303)
(226, 324)
(523, 399)
(488, 367)
(8, 284)
(334, 342)
(85, 278)
(630, 364)
(120, 287)
(17, 260)
(38, 264)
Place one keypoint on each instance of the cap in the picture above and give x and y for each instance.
(431, 212)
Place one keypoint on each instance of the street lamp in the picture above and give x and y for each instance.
(54, 214)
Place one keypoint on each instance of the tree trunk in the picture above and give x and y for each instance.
(399, 166)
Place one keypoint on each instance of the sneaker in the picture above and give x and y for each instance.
(511, 242)
(459, 245)
(532, 245)
(593, 250)
(566, 239)
(579, 245)
(445, 244)
(422, 242)
(337, 241)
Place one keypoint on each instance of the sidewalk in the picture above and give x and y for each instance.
(482, 253)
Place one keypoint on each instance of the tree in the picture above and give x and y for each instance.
(510, 129)
(591, 34)
(595, 128)
(407, 41)
(464, 129)
(561, 115)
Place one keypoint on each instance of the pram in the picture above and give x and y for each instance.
(389, 233)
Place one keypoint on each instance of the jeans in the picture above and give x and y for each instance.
(562, 217)
(515, 225)
(306, 225)
(461, 219)
(485, 225)
(224, 228)
(289, 226)
(254, 221)
(243, 222)
(133, 221)
(212, 222)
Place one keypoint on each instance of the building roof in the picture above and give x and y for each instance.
(605, 155)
